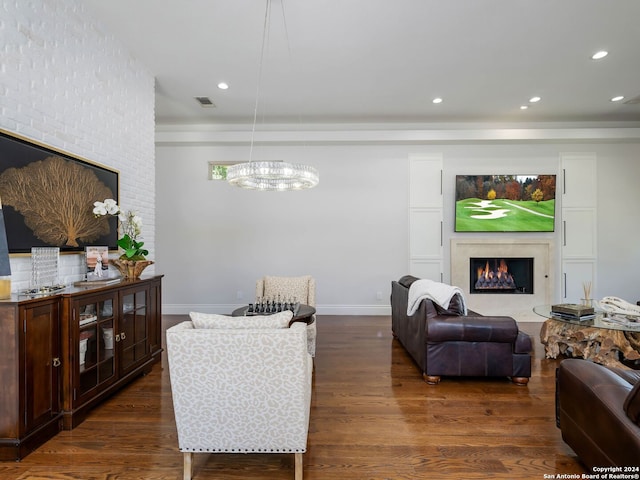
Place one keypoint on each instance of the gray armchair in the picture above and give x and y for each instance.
(239, 387)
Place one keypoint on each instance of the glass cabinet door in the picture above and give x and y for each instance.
(134, 343)
(106, 359)
(95, 352)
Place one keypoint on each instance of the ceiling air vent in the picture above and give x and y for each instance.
(633, 101)
(205, 102)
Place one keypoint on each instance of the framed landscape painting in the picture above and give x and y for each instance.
(47, 198)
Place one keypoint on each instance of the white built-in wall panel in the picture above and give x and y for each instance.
(575, 272)
(579, 233)
(425, 216)
(579, 182)
(579, 197)
(424, 234)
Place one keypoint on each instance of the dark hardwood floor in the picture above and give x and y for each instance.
(372, 417)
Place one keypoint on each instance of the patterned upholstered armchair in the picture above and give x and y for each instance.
(302, 288)
(239, 386)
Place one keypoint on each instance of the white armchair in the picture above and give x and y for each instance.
(240, 390)
(302, 288)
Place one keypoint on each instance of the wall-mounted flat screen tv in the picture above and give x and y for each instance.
(505, 203)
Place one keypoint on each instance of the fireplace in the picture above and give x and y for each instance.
(501, 275)
(518, 303)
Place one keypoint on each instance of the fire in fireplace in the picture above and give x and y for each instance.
(501, 275)
(497, 277)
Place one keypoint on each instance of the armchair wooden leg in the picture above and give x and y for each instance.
(298, 466)
(188, 465)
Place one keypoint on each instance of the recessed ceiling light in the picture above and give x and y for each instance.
(223, 86)
(437, 100)
(524, 107)
(534, 99)
(617, 99)
(599, 55)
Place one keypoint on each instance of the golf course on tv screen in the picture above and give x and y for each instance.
(505, 203)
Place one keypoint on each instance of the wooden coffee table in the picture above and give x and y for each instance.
(599, 340)
(304, 313)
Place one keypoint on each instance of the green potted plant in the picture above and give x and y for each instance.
(133, 260)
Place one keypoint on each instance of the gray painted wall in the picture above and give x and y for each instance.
(350, 232)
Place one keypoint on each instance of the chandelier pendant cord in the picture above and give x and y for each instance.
(265, 39)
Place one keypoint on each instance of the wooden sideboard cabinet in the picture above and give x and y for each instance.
(63, 354)
(30, 371)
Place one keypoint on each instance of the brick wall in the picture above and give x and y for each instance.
(67, 83)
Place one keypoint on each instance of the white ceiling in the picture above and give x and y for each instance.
(385, 60)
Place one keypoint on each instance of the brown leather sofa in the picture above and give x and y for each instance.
(598, 413)
(448, 343)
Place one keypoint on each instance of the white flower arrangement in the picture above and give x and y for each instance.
(130, 224)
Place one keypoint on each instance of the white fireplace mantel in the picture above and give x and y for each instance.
(516, 305)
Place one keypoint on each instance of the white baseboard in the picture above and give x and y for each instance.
(184, 309)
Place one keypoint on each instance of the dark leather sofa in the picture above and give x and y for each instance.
(598, 413)
(448, 343)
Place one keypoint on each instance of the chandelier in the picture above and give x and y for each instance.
(270, 175)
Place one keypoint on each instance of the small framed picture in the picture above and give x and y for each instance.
(97, 259)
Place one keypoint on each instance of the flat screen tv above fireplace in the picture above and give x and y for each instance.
(505, 203)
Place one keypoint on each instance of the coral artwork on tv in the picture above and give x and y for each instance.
(505, 203)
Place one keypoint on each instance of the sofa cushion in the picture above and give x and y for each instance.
(407, 280)
(632, 404)
(465, 328)
(631, 376)
(212, 320)
(455, 307)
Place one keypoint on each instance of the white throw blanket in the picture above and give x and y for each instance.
(440, 293)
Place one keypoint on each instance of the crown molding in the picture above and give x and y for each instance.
(379, 134)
